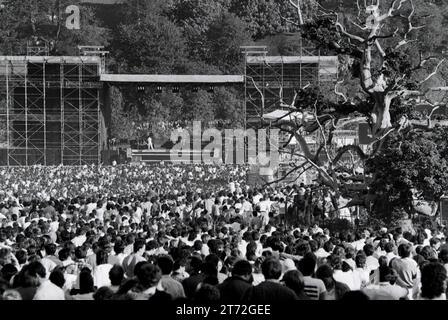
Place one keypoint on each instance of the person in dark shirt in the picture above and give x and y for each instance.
(193, 268)
(233, 288)
(270, 290)
(293, 279)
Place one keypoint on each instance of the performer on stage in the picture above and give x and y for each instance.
(150, 145)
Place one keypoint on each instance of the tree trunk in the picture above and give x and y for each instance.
(381, 120)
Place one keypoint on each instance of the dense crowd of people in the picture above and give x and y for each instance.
(197, 233)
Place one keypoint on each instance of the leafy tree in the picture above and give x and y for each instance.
(198, 107)
(195, 18)
(21, 21)
(152, 45)
(228, 106)
(408, 169)
(123, 121)
(263, 17)
(272, 17)
(224, 38)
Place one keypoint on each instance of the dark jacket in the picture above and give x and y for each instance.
(191, 283)
(233, 289)
(269, 291)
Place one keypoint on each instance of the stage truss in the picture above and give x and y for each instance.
(272, 79)
(50, 110)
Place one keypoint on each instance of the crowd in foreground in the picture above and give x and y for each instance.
(197, 233)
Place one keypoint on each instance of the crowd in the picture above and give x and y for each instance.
(197, 233)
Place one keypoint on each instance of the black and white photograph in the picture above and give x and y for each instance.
(223, 156)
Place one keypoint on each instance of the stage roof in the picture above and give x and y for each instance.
(51, 59)
(327, 60)
(153, 78)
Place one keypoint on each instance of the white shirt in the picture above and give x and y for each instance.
(100, 213)
(390, 256)
(259, 250)
(345, 277)
(117, 259)
(49, 291)
(205, 250)
(265, 206)
(359, 245)
(258, 278)
(257, 198)
(372, 263)
(321, 253)
(361, 278)
(49, 265)
(90, 208)
(242, 246)
(385, 291)
(101, 275)
(79, 240)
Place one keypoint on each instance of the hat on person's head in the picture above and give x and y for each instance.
(383, 230)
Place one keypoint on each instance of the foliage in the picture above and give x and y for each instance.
(195, 18)
(21, 21)
(223, 40)
(197, 106)
(271, 17)
(412, 161)
(122, 120)
(228, 106)
(151, 45)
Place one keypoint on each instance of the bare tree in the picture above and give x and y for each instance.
(386, 77)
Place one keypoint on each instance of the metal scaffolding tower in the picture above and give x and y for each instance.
(49, 110)
(272, 79)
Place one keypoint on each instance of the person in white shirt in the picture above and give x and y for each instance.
(371, 262)
(345, 277)
(131, 260)
(257, 198)
(361, 276)
(150, 145)
(242, 245)
(46, 290)
(390, 248)
(79, 240)
(232, 188)
(386, 289)
(91, 205)
(101, 270)
(119, 255)
(321, 253)
(48, 264)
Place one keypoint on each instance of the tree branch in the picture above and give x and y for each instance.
(337, 92)
(349, 35)
(345, 149)
(433, 73)
(299, 10)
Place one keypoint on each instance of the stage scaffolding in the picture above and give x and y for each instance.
(50, 110)
(271, 79)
